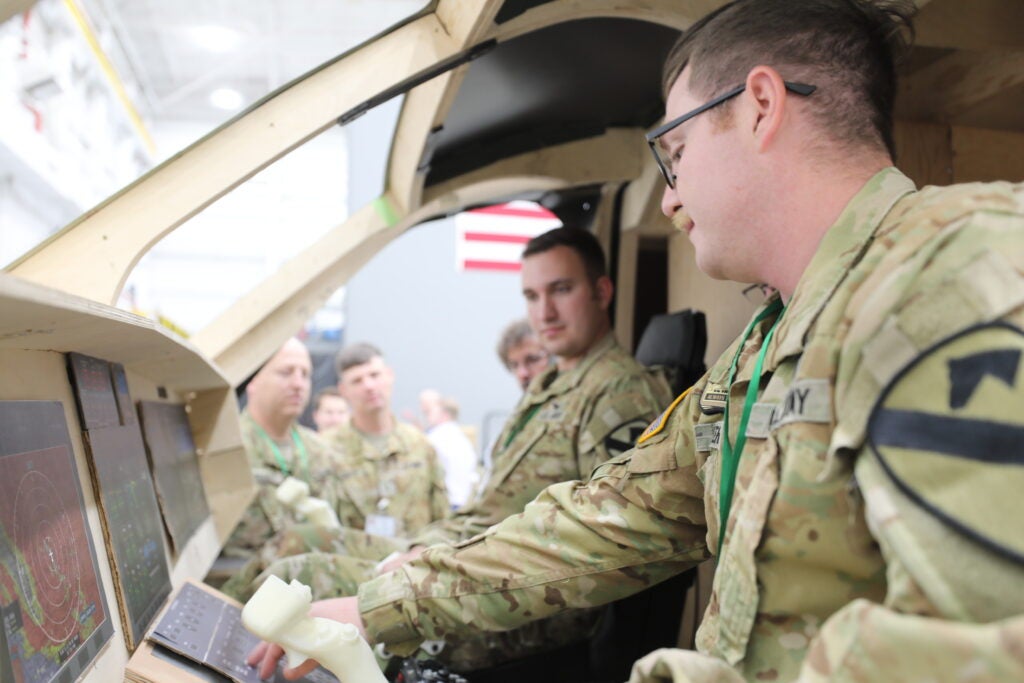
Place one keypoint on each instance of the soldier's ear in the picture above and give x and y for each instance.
(604, 289)
(767, 95)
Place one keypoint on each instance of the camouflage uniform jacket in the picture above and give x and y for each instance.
(562, 428)
(265, 516)
(870, 535)
(404, 481)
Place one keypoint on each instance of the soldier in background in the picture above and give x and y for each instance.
(522, 355)
(329, 409)
(279, 447)
(585, 409)
(390, 472)
(521, 352)
(853, 459)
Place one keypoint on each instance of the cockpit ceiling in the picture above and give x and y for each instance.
(513, 8)
(562, 83)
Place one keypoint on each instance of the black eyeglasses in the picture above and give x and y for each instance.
(661, 154)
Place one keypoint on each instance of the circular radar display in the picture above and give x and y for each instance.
(51, 581)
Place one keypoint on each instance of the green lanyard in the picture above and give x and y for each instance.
(522, 423)
(299, 448)
(731, 455)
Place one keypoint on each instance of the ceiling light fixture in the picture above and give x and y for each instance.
(227, 99)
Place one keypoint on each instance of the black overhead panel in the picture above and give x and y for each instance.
(513, 8)
(562, 83)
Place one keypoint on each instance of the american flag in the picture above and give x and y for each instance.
(492, 238)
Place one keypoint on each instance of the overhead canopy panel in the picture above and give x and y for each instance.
(562, 83)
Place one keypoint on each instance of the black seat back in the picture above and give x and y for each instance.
(676, 342)
(650, 619)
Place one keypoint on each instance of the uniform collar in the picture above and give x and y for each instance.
(841, 248)
(552, 382)
(247, 418)
(366, 448)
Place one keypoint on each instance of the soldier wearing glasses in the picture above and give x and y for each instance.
(854, 459)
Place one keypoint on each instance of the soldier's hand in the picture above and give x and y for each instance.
(396, 562)
(266, 655)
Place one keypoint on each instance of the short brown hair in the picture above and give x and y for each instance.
(847, 48)
(355, 354)
(577, 239)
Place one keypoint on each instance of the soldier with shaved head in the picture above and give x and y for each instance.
(279, 447)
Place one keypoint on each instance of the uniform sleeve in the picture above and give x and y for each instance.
(618, 416)
(952, 605)
(638, 521)
(440, 506)
(941, 378)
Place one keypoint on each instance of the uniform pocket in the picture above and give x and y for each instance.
(509, 460)
(737, 587)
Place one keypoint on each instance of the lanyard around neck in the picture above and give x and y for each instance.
(514, 432)
(731, 454)
(299, 448)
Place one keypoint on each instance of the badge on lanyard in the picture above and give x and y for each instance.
(381, 525)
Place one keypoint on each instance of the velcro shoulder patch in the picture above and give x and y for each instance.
(659, 423)
(616, 422)
(623, 437)
(948, 430)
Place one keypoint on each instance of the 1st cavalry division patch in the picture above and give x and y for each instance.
(949, 431)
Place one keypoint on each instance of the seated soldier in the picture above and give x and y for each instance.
(853, 460)
(521, 352)
(587, 408)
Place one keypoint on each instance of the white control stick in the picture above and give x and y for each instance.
(279, 613)
(294, 493)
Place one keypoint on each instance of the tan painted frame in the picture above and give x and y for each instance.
(251, 329)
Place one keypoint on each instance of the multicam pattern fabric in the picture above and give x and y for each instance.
(403, 481)
(266, 516)
(564, 426)
(561, 429)
(834, 567)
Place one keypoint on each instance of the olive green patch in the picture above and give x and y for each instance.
(708, 436)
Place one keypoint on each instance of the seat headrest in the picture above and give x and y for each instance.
(676, 341)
